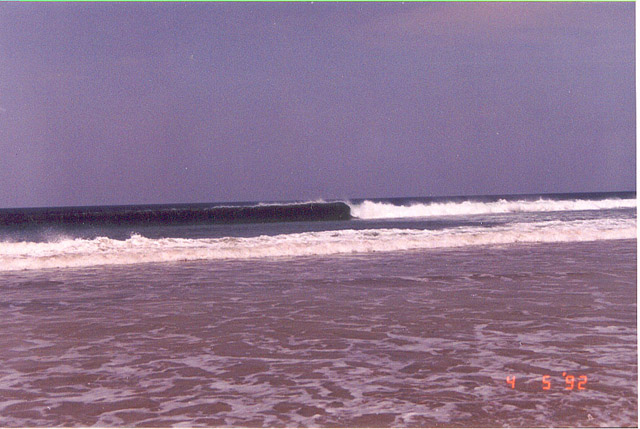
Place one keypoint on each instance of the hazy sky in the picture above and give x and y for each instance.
(127, 103)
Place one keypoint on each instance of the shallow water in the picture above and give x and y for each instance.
(424, 338)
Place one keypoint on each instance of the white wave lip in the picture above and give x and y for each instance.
(138, 249)
(373, 210)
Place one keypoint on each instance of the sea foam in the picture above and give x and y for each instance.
(66, 253)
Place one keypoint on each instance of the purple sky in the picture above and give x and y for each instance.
(122, 103)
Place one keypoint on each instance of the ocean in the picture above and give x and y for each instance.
(515, 311)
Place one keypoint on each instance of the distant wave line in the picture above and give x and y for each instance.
(291, 212)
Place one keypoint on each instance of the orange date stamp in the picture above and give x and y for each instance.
(571, 382)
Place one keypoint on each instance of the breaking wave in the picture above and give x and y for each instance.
(172, 215)
(66, 253)
(381, 210)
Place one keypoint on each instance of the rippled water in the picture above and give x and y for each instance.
(424, 338)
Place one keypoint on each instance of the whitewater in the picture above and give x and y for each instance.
(78, 252)
(383, 210)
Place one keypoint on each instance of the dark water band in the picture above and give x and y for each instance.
(185, 215)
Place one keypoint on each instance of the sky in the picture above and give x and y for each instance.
(141, 103)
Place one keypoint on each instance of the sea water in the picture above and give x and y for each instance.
(465, 311)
